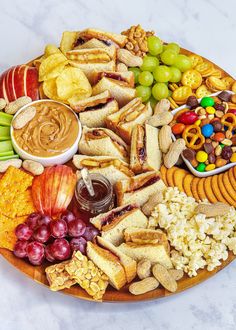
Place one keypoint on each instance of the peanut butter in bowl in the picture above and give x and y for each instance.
(53, 132)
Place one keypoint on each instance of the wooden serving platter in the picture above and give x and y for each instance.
(112, 295)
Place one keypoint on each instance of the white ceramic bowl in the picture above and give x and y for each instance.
(53, 160)
(189, 165)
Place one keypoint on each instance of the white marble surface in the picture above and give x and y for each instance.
(207, 27)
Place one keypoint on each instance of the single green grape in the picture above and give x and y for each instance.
(182, 62)
(145, 78)
(144, 92)
(136, 72)
(168, 57)
(154, 45)
(173, 46)
(160, 91)
(149, 63)
(175, 74)
(153, 102)
(162, 73)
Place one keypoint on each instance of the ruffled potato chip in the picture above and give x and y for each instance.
(68, 40)
(50, 90)
(52, 66)
(72, 82)
(51, 49)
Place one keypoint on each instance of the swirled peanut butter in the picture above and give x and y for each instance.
(52, 131)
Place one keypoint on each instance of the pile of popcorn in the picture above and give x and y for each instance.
(197, 241)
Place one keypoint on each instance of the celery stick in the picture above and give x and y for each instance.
(7, 153)
(5, 119)
(4, 133)
(5, 146)
(9, 157)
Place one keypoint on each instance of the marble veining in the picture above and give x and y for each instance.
(207, 27)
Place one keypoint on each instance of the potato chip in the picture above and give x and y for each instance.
(68, 40)
(50, 50)
(52, 66)
(42, 95)
(50, 90)
(7, 231)
(72, 82)
(38, 61)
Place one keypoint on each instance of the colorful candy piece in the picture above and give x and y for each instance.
(232, 111)
(188, 118)
(210, 110)
(233, 158)
(178, 128)
(201, 156)
(207, 130)
(201, 167)
(210, 167)
(207, 102)
(218, 137)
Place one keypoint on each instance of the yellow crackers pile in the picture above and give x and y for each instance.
(15, 204)
(216, 188)
(201, 80)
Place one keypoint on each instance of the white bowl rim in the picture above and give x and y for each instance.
(189, 165)
(53, 158)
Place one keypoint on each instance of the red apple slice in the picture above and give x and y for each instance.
(32, 85)
(3, 93)
(66, 190)
(47, 190)
(36, 193)
(19, 81)
(9, 84)
(53, 190)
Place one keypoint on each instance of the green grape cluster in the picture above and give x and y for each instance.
(162, 65)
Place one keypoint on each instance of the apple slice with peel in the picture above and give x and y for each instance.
(3, 93)
(32, 85)
(53, 190)
(21, 80)
(9, 81)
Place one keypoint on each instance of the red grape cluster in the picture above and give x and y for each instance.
(41, 237)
